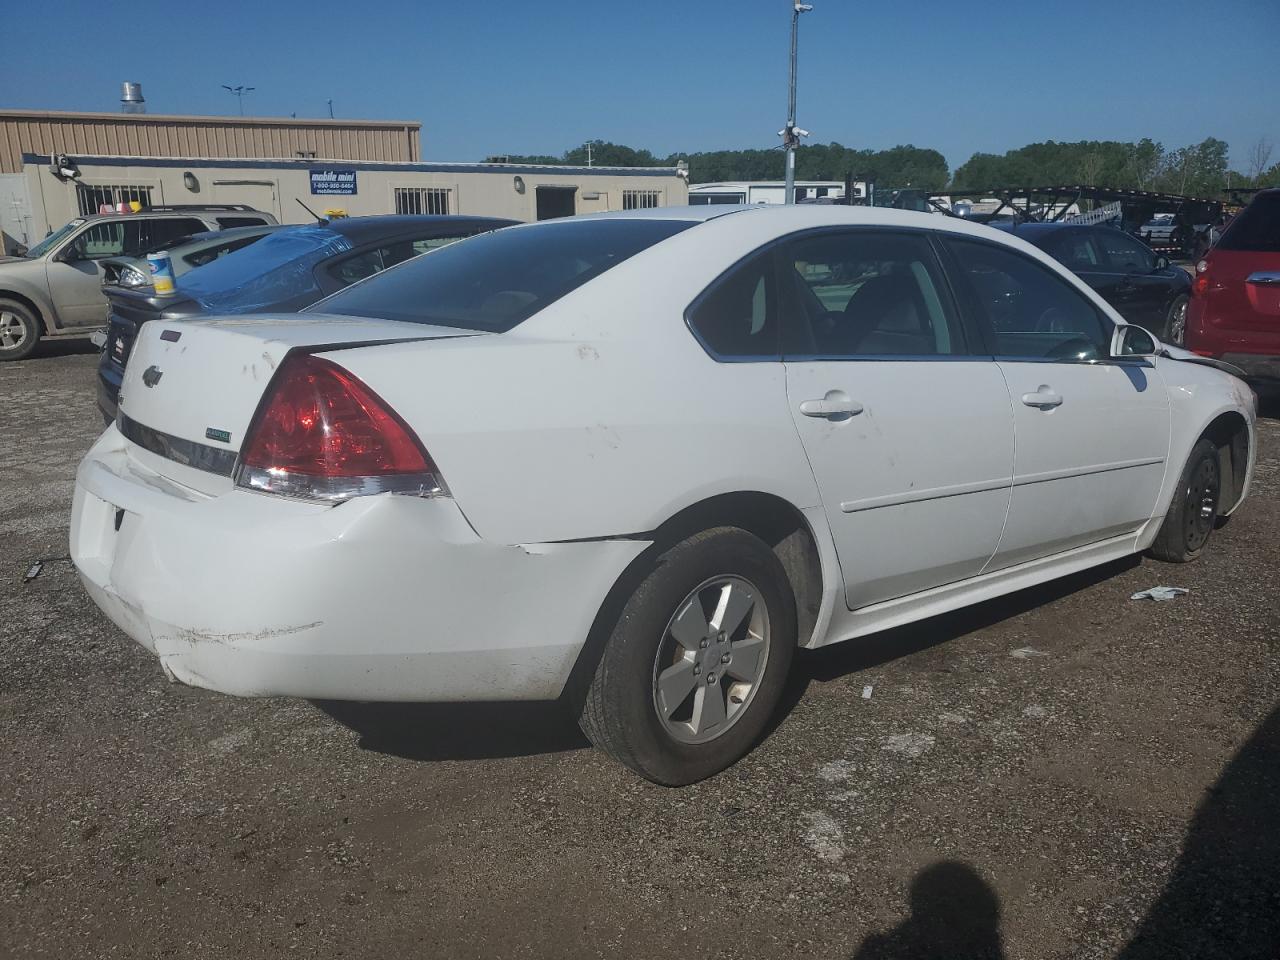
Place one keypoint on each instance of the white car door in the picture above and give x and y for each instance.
(907, 428)
(1091, 433)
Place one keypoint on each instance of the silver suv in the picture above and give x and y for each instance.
(55, 288)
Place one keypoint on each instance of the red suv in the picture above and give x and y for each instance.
(1234, 314)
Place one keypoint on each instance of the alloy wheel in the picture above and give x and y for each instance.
(1178, 324)
(711, 659)
(13, 332)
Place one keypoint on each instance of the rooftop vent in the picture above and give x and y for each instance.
(131, 99)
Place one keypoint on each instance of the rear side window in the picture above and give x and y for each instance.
(737, 316)
(160, 232)
(497, 280)
(1257, 228)
(1033, 313)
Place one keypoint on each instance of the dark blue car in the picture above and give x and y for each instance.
(281, 273)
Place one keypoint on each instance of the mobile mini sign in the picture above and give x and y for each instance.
(333, 182)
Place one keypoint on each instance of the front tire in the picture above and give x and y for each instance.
(1194, 510)
(19, 330)
(697, 660)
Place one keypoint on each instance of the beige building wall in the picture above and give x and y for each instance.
(482, 189)
(48, 132)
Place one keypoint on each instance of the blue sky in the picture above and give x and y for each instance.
(515, 77)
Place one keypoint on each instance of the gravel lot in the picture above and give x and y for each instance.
(1062, 773)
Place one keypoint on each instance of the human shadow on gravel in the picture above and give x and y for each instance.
(458, 731)
(955, 915)
(877, 649)
(1223, 899)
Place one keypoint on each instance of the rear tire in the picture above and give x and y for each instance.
(19, 330)
(675, 697)
(1175, 322)
(1193, 514)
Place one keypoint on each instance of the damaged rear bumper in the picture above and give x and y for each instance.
(379, 598)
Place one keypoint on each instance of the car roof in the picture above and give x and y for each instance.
(361, 230)
(187, 212)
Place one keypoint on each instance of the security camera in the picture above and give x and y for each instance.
(63, 167)
(800, 133)
(803, 7)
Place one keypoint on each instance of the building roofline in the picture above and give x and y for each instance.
(235, 121)
(391, 166)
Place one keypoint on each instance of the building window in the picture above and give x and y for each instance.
(641, 199)
(91, 197)
(422, 200)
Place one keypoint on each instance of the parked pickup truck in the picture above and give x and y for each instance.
(55, 288)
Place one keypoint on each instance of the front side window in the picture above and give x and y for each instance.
(736, 317)
(1031, 311)
(866, 293)
(110, 238)
(497, 280)
(1125, 254)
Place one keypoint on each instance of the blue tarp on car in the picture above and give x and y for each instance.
(278, 268)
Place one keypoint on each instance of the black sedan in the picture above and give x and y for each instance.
(290, 269)
(1142, 285)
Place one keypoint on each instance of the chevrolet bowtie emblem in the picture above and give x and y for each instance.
(151, 376)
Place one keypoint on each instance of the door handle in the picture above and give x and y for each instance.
(836, 405)
(1044, 398)
(1266, 278)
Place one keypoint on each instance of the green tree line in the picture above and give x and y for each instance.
(1199, 169)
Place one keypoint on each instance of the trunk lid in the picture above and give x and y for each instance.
(192, 387)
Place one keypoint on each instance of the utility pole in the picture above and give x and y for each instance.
(791, 134)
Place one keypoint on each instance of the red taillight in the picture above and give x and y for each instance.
(323, 433)
(1200, 285)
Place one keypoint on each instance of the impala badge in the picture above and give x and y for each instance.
(151, 376)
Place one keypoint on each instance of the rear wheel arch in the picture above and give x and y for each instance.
(771, 518)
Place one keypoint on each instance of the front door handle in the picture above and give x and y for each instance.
(1044, 398)
(836, 405)
(1266, 278)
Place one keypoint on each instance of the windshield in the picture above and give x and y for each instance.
(496, 280)
(53, 239)
(279, 267)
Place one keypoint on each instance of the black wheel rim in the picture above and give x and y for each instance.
(1200, 507)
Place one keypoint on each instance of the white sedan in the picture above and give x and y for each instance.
(634, 460)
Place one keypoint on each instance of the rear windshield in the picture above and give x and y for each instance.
(277, 268)
(496, 280)
(1257, 227)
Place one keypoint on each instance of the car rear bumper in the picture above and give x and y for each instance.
(379, 598)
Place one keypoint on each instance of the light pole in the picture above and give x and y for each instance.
(791, 134)
(239, 94)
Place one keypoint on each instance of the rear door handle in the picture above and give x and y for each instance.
(836, 405)
(1044, 398)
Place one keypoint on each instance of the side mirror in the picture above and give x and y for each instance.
(1129, 341)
